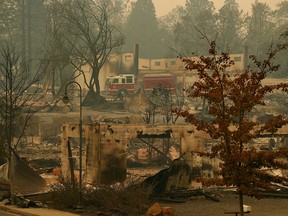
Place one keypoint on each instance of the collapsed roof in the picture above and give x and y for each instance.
(26, 180)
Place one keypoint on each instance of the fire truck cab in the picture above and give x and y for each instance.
(120, 85)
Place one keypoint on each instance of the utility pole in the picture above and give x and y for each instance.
(29, 29)
(23, 22)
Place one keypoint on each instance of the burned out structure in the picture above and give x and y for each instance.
(105, 147)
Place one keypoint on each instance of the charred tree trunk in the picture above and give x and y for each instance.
(95, 85)
(93, 97)
(94, 100)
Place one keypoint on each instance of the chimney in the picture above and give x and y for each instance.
(245, 57)
(136, 60)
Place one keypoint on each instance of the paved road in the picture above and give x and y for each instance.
(3, 213)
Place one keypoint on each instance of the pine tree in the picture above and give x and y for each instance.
(230, 27)
(142, 28)
(198, 16)
(260, 29)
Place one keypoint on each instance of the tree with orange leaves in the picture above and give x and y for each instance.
(231, 99)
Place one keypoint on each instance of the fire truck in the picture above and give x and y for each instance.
(126, 84)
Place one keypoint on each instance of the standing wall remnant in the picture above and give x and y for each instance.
(104, 159)
(104, 147)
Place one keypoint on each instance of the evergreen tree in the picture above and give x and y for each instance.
(119, 7)
(197, 19)
(23, 23)
(142, 28)
(260, 29)
(280, 17)
(166, 25)
(37, 16)
(10, 21)
(230, 27)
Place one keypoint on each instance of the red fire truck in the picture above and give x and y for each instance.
(123, 85)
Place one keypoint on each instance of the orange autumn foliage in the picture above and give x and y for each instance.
(231, 99)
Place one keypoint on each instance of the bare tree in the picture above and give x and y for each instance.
(94, 37)
(17, 104)
(163, 100)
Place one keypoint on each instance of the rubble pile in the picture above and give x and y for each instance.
(280, 191)
(175, 183)
(42, 151)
